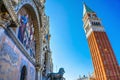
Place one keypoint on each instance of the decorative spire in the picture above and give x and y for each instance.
(86, 9)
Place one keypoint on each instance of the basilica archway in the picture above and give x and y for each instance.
(23, 75)
(28, 31)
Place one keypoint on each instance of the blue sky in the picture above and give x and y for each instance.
(68, 43)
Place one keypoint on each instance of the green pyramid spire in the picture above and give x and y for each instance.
(86, 9)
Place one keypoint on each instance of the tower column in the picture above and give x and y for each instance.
(104, 60)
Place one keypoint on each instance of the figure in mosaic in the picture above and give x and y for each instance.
(23, 22)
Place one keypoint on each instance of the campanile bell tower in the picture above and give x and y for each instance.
(103, 58)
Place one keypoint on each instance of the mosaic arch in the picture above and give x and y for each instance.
(28, 31)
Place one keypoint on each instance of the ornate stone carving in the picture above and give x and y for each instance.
(10, 8)
(15, 2)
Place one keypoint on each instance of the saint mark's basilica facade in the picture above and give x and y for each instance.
(24, 40)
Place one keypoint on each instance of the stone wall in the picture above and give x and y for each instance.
(12, 60)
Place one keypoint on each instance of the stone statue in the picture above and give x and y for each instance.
(56, 76)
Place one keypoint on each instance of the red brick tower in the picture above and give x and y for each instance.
(104, 60)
